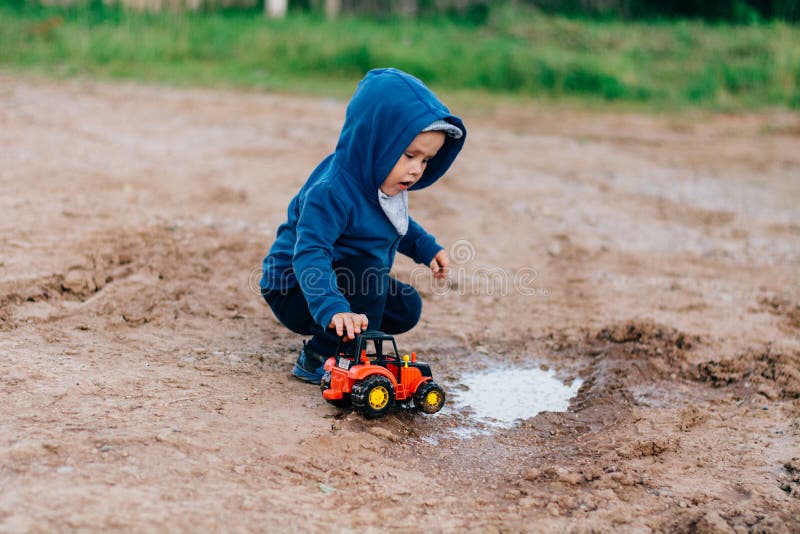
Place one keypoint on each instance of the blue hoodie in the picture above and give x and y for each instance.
(337, 215)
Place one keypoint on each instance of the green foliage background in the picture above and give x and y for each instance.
(737, 11)
(515, 50)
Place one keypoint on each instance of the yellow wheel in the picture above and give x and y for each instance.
(378, 398)
(373, 397)
(433, 398)
(429, 397)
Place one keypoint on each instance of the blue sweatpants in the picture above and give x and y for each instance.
(391, 306)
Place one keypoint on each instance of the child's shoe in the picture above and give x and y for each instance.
(309, 365)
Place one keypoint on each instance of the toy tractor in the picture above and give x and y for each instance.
(372, 381)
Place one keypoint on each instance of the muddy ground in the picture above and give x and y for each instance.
(144, 384)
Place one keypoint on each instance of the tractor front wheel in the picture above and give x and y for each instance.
(373, 397)
(429, 397)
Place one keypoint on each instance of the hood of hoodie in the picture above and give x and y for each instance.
(387, 111)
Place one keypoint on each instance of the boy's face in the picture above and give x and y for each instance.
(409, 168)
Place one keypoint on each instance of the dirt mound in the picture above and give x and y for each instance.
(627, 357)
(710, 521)
(661, 351)
(783, 307)
(132, 277)
(135, 260)
(791, 478)
(17, 292)
(775, 374)
(651, 338)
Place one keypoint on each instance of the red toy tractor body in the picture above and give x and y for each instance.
(373, 381)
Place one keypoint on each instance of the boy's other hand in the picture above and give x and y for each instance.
(440, 265)
(349, 324)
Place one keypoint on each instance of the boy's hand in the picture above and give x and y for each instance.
(348, 324)
(440, 265)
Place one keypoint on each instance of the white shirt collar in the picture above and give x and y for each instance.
(396, 209)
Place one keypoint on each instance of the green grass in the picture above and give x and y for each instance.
(656, 64)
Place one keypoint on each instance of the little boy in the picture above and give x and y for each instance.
(327, 273)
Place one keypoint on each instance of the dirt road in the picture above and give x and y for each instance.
(143, 383)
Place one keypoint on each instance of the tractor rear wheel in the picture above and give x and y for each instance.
(373, 397)
(325, 383)
(429, 397)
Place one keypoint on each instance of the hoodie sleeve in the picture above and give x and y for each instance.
(322, 220)
(418, 244)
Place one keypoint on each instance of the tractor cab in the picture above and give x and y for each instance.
(372, 344)
(379, 349)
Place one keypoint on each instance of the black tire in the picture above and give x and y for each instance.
(429, 397)
(325, 383)
(373, 397)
